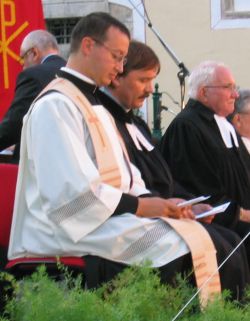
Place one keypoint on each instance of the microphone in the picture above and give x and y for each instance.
(167, 109)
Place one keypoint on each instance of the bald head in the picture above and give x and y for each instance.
(36, 46)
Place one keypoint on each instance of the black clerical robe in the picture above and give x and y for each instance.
(201, 162)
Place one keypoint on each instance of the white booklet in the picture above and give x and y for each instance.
(193, 201)
(215, 210)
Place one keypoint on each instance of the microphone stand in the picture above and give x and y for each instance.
(168, 109)
(158, 108)
(183, 72)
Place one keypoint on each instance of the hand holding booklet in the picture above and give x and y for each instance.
(215, 210)
(193, 201)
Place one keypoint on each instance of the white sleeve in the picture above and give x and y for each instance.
(67, 179)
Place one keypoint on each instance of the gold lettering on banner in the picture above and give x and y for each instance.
(5, 22)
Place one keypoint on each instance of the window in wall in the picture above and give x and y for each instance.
(61, 28)
(230, 14)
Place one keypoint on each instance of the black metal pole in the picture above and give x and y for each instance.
(156, 131)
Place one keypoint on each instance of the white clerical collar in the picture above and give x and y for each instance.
(138, 138)
(78, 75)
(227, 131)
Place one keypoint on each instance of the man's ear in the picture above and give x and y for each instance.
(87, 44)
(202, 92)
(236, 120)
(36, 53)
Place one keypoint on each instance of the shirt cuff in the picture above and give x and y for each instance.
(127, 204)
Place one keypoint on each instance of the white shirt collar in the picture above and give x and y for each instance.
(78, 75)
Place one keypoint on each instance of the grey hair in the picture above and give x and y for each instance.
(202, 75)
(242, 103)
(41, 39)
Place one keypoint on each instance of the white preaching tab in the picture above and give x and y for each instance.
(215, 210)
(227, 131)
(193, 201)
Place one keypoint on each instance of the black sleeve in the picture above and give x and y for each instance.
(127, 204)
(27, 88)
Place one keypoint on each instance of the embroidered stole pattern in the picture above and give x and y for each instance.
(203, 256)
(107, 166)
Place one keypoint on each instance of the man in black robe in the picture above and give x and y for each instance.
(41, 61)
(204, 152)
(128, 92)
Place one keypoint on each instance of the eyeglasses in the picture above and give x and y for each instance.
(230, 87)
(22, 57)
(117, 58)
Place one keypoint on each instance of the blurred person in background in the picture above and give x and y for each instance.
(241, 116)
(39, 54)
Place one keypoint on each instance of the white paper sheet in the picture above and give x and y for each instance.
(215, 210)
(193, 201)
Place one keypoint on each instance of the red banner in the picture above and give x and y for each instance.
(17, 19)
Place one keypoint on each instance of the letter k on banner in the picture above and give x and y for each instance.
(17, 19)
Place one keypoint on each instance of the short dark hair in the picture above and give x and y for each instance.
(140, 56)
(94, 25)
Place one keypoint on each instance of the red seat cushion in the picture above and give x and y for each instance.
(8, 177)
(72, 261)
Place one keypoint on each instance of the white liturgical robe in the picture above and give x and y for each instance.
(63, 208)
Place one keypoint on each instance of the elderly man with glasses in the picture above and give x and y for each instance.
(203, 149)
(39, 54)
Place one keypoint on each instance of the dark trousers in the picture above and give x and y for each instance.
(234, 274)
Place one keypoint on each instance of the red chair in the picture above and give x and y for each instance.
(8, 176)
(24, 266)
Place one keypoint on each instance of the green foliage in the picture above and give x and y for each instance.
(135, 295)
(138, 294)
(224, 311)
